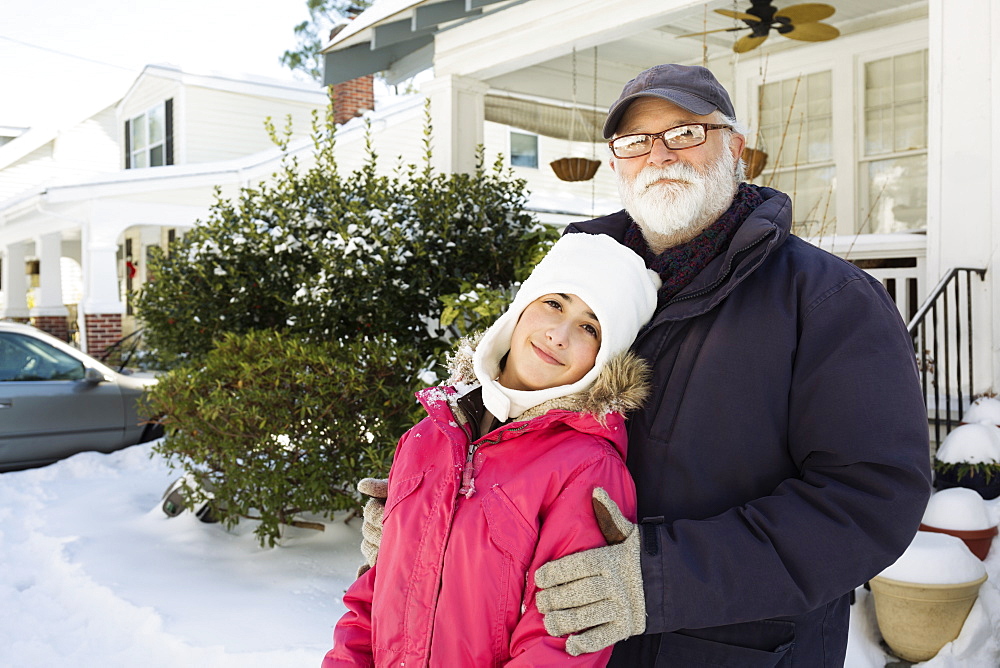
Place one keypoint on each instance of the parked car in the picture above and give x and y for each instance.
(56, 401)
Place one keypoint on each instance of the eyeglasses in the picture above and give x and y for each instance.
(676, 138)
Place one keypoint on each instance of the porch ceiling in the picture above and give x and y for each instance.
(479, 38)
(528, 50)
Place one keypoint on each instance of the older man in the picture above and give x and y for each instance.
(782, 459)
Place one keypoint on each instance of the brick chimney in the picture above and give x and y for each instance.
(353, 98)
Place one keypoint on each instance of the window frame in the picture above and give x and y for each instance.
(510, 148)
(863, 160)
(846, 58)
(789, 144)
(164, 143)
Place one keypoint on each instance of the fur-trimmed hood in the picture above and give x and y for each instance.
(621, 387)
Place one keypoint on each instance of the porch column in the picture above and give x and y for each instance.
(49, 313)
(963, 202)
(457, 114)
(101, 308)
(15, 283)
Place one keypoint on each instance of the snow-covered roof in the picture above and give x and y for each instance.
(37, 136)
(245, 83)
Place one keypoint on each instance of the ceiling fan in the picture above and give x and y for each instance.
(801, 22)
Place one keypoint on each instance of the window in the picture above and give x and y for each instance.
(523, 150)
(149, 138)
(23, 358)
(893, 166)
(796, 130)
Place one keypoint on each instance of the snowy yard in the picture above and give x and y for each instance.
(94, 574)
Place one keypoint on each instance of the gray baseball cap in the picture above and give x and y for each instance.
(690, 87)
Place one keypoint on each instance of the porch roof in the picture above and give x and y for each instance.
(474, 37)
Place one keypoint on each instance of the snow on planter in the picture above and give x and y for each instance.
(958, 508)
(972, 443)
(963, 513)
(936, 558)
(984, 410)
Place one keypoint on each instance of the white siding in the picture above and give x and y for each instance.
(151, 91)
(396, 138)
(581, 199)
(221, 125)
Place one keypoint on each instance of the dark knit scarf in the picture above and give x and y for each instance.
(679, 265)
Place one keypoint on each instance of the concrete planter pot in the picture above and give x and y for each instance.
(917, 620)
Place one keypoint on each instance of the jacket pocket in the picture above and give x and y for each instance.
(763, 644)
(509, 531)
(514, 541)
(399, 490)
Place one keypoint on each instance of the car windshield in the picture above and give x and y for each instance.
(23, 358)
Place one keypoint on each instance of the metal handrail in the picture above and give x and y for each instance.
(120, 344)
(930, 360)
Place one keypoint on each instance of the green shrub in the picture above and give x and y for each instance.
(298, 318)
(988, 470)
(333, 256)
(275, 426)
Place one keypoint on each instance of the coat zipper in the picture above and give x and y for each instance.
(468, 489)
(468, 478)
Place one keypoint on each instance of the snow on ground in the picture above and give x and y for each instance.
(95, 575)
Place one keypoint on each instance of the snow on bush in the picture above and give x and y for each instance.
(984, 410)
(972, 444)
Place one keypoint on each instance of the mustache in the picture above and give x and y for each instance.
(675, 172)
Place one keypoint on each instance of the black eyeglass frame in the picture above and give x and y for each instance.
(662, 137)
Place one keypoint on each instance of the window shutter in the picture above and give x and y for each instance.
(128, 144)
(168, 140)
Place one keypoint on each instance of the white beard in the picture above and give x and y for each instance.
(670, 213)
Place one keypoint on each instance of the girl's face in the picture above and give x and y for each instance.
(555, 342)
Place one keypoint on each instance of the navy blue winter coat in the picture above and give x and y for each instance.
(782, 459)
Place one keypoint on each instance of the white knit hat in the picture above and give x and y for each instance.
(611, 278)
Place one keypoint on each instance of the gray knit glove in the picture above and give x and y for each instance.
(596, 594)
(371, 528)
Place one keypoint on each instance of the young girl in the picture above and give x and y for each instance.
(494, 482)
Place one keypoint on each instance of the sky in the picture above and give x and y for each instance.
(85, 52)
(95, 574)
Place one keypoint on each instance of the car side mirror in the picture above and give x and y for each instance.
(94, 376)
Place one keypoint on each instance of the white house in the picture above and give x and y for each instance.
(82, 204)
(882, 129)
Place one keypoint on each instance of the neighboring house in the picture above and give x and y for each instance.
(883, 135)
(81, 205)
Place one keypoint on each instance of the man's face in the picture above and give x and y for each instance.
(674, 195)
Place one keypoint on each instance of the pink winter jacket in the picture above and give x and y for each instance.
(467, 523)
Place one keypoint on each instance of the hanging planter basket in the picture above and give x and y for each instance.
(575, 169)
(755, 160)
